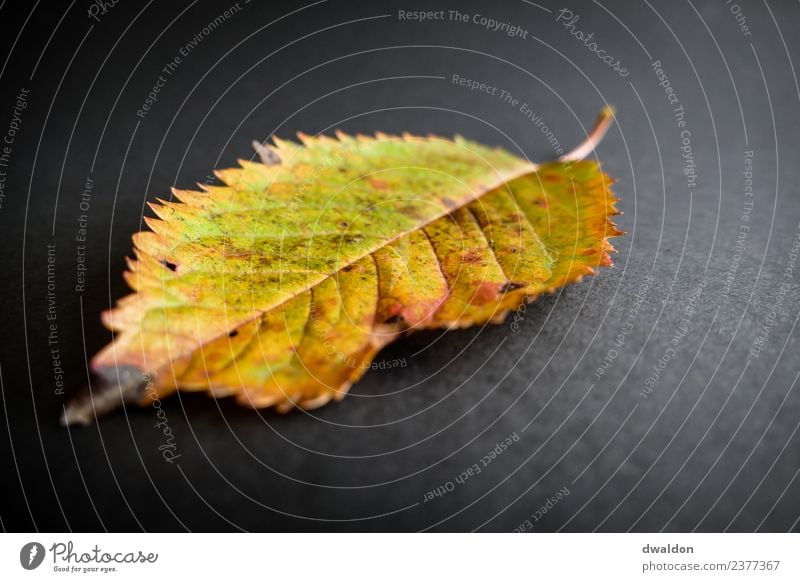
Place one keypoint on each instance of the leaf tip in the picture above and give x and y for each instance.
(342, 136)
(305, 139)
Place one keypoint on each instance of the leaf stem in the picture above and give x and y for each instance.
(114, 387)
(604, 121)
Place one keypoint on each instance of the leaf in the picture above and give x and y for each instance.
(280, 286)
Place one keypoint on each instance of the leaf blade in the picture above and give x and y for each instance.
(412, 251)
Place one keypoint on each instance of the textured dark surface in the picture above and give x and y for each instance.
(714, 446)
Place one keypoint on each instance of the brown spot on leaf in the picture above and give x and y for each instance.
(485, 293)
(472, 256)
(511, 286)
(409, 210)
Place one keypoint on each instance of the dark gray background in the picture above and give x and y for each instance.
(714, 447)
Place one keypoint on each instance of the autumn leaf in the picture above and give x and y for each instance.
(280, 286)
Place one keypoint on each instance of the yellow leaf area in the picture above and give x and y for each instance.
(281, 286)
